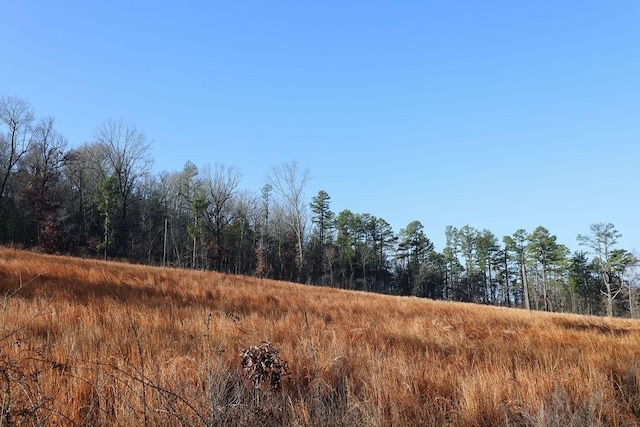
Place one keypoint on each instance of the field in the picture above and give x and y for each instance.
(93, 343)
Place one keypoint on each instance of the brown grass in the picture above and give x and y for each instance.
(95, 343)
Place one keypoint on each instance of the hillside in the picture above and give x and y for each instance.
(95, 343)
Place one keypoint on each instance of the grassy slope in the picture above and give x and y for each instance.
(95, 343)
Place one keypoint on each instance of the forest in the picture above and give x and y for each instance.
(101, 200)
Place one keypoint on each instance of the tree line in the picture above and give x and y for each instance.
(102, 200)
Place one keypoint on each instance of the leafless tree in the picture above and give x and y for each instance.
(183, 190)
(288, 181)
(633, 279)
(127, 160)
(83, 173)
(601, 241)
(221, 185)
(16, 119)
(245, 219)
(43, 167)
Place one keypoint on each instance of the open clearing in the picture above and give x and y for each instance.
(86, 342)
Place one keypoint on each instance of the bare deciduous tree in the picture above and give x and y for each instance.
(43, 168)
(288, 182)
(84, 170)
(127, 160)
(16, 118)
(601, 241)
(221, 185)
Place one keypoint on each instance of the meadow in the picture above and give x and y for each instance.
(93, 343)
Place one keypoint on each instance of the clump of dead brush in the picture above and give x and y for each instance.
(261, 365)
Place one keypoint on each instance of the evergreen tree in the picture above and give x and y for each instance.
(452, 287)
(346, 244)
(322, 216)
(467, 245)
(583, 284)
(486, 251)
(323, 219)
(384, 240)
(544, 250)
(516, 244)
(414, 249)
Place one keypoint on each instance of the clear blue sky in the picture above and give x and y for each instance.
(497, 114)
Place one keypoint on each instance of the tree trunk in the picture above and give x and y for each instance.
(525, 286)
(544, 288)
(609, 295)
(506, 280)
(631, 308)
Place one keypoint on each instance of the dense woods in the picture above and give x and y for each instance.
(101, 199)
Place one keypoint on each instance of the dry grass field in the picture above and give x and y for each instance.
(95, 343)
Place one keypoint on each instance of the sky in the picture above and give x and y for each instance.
(497, 114)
